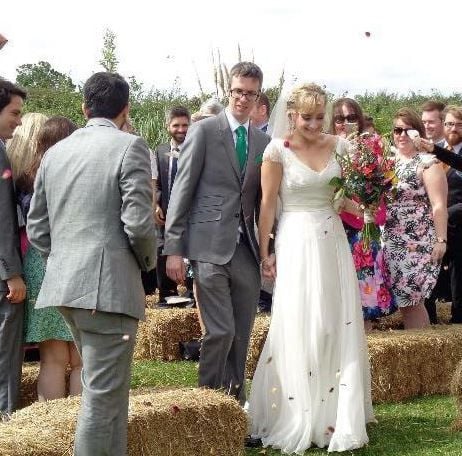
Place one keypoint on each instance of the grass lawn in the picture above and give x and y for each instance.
(420, 427)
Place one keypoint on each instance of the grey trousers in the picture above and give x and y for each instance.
(228, 297)
(105, 342)
(11, 353)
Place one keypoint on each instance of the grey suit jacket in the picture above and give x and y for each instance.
(91, 217)
(209, 194)
(10, 257)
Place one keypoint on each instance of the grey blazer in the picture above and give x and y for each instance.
(91, 217)
(10, 257)
(210, 194)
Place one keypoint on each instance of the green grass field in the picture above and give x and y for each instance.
(421, 427)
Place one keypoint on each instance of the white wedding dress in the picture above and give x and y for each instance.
(312, 382)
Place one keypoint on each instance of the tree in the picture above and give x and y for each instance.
(42, 75)
(109, 60)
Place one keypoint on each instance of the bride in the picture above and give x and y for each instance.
(312, 382)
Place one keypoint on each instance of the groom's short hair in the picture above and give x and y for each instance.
(105, 95)
(246, 70)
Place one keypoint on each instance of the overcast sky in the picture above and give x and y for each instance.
(325, 41)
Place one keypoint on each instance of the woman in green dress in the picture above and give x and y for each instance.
(46, 326)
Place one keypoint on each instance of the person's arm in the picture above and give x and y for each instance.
(10, 261)
(436, 186)
(271, 176)
(450, 158)
(190, 164)
(135, 185)
(38, 224)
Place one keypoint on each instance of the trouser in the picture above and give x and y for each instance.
(167, 287)
(11, 353)
(105, 342)
(228, 297)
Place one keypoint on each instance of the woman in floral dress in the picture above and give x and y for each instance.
(416, 225)
(374, 284)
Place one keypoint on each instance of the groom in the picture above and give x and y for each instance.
(210, 220)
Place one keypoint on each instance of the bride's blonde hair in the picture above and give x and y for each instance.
(306, 98)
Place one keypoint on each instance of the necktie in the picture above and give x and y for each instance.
(174, 167)
(241, 146)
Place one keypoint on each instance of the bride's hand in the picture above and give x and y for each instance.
(268, 267)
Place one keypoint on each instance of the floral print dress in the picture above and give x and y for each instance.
(409, 234)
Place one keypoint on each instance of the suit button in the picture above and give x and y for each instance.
(236, 215)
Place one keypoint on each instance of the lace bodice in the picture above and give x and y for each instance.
(302, 188)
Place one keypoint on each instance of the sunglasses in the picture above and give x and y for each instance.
(350, 118)
(399, 130)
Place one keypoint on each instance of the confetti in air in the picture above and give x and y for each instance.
(368, 34)
(6, 174)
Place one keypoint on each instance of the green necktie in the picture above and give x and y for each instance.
(241, 146)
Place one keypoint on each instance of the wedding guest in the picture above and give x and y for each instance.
(415, 233)
(12, 287)
(312, 382)
(377, 301)
(450, 153)
(209, 108)
(433, 118)
(167, 155)
(91, 219)
(44, 326)
(259, 116)
(369, 125)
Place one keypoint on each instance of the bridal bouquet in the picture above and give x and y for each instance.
(368, 177)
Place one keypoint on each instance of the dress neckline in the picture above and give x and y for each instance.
(328, 163)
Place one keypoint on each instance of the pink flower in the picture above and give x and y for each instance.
(383, 298)
(368, 295)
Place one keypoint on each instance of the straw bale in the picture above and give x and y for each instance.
(395, 320)
(160, 335)
(257, 340)
(405, 364)
(456, 391)
(28, 393)
(186, 422)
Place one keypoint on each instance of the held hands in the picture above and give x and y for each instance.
(159, 216)
(439, 249)
(176, 269)
(268, 267)
(17, 290)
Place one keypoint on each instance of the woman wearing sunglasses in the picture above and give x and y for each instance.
(415, 233)
(348, 119)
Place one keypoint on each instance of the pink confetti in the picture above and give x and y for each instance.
(6, 173)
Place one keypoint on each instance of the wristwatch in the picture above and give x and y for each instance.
(441, 240)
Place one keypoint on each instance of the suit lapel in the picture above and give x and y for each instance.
(228, 142)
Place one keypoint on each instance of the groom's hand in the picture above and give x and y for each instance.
(176, 269)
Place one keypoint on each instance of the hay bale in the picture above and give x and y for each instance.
(160, 335)
(257, 340)
(395, 320)
(456, 391)
(187, 422)
(28, 393)
(405, 364)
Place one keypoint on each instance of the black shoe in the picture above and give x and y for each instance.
(252, 442)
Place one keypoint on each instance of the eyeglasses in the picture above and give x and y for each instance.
(239, 93)
(399, 130)
(458, 125)
(350, 118)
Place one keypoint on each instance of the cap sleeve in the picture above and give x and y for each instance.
(273, 152)
(427, 160)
